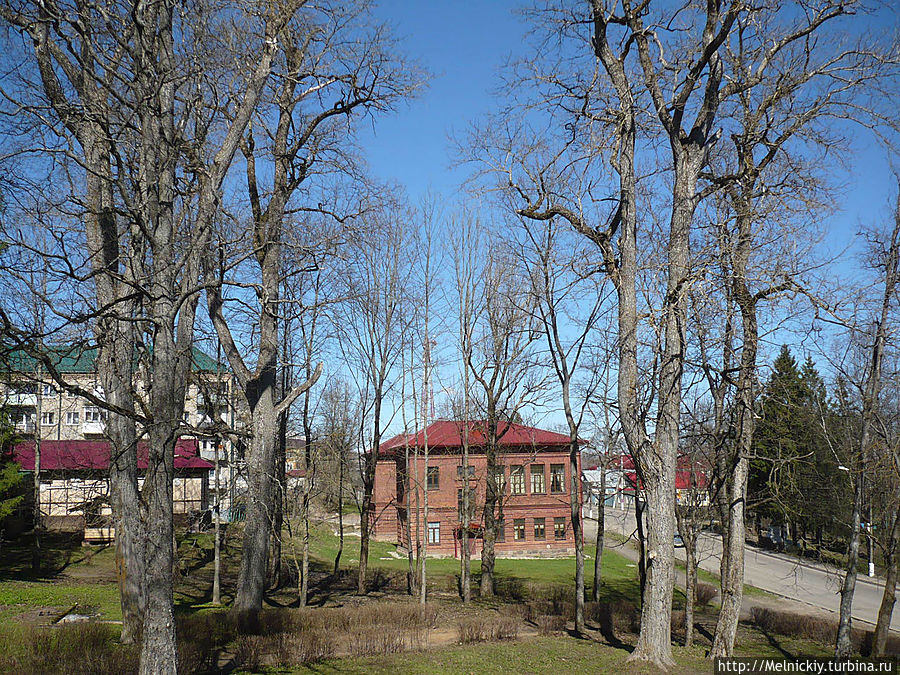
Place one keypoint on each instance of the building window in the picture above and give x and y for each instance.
(539, 528)
(48, 390)
(73, 417)
(459, 503)
(48, 419)
(500, 480)
(537, 479)
(557, 478)
(501, 531)
(434, 533)
(434, 476)
(517, 480)
(559, 528)
(92, 414)
(459, 471)
(519, 529)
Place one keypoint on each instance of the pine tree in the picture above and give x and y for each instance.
(793, 474)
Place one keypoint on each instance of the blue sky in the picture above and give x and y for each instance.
(463, 43)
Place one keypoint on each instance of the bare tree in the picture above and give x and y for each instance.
(566, 295)
(333, 66)
(887, 260)
(371, 324)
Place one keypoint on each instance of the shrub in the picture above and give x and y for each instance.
(511, 589)
(705, 594)
(507, 628)
(794, 625)
(473, 629)
(249, 651)
(549, 624)
(377, 640)
(678, 621)
(305, 647)
(80, 649)
(613, 618)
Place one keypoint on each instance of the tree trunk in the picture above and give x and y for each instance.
(422, 570)
(217, 529)
(337, 556)
(261, 493)
(276, 578)
(407, 528)
(843, 645)
(869, 409)
(601, 531)
(639, 507)
(36, 481)
(304, 565)
(158, 654)
(577, 526)
(371, 462)
(654, 641)
(465, 576)
(657, 467)
(364, 527)
(886, 610)
(690, 587)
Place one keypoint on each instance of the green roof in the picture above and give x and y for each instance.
(80, 359)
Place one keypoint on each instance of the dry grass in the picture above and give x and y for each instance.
(487, 629)
(805, 626)
(705, 594)
(78, 649)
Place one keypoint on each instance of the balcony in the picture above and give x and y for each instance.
(25, 427)
(15, 398)
(93, 428)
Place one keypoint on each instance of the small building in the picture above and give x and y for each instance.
(43, 408)
(75, 481)
(534, 476)
(691, 480)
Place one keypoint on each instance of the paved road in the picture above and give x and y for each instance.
(814, 585)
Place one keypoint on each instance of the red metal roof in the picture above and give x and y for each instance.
(449, 434)
(88, 455)
(683, 479)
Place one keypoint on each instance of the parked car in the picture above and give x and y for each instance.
(772, 538)
(679, 542)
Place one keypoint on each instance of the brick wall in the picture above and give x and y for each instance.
(443, 498)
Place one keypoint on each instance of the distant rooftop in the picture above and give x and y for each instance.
(69, 359)
(449, 434)
(94, 455)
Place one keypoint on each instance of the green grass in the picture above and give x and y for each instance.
(547, 655)
(17, 597)
(620, 575)
(536, 655)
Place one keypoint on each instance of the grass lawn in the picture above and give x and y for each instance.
(620, 575)
(70, 575)
(84, 576)
(537, 655)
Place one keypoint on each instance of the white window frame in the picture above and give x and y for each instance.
(92, 414)
(73, 418)
(434, 532)
(48, 418)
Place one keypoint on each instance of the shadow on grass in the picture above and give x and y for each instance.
(59, 551)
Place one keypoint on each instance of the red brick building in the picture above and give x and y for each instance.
(536, 486)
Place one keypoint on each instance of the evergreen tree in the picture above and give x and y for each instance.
(794, 476)
(10, 477)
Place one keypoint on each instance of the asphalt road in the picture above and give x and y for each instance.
(811, 584)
